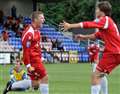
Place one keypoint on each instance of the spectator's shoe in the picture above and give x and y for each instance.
(36, 88)
(7, 88)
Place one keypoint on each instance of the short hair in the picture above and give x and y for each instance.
(105, 7)
(36, 14)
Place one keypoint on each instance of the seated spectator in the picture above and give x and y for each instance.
(5, 47)
(16, 28)
(5, 35)
(60, 46)
(57, 45)
(21, 24)
(8, 24)
(18, 79)
(44, 38)
(54, 44)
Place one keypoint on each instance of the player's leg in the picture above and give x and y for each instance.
(21, 85)
(104, 81)
(44, 88)
(104, 85)
(94, 66)
(40, 82)
(40, 74)
(96, 79)
(35, 84)
(112, 62)
(17, 86)
(106, 65)
(8, 87)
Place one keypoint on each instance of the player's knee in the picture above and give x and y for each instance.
(98, 74)
(35, 83)
(96, 77)
(44, 79)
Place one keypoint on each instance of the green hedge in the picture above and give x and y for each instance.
(76, 10)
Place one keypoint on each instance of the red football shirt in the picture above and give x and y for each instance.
(108, 32)
(31, 44)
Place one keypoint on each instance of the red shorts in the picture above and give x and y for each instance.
(40, 71)
(108, 63)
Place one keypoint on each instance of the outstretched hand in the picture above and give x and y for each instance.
(64, 26)
(79, 37)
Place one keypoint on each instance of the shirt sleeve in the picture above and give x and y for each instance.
(12, 78)
(98, 35)
(97, 23)
(11, 71)
(24, 76)
(26, 42)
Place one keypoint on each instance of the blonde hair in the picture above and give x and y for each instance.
(36, 14)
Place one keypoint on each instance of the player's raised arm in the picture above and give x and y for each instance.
(84, 37)
(101, 23)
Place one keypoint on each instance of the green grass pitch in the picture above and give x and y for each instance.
(66, 79)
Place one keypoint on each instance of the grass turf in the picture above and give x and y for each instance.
(66, 79)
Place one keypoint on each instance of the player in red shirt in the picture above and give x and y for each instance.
(93, 50)
(108, 32)
(32, 53)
